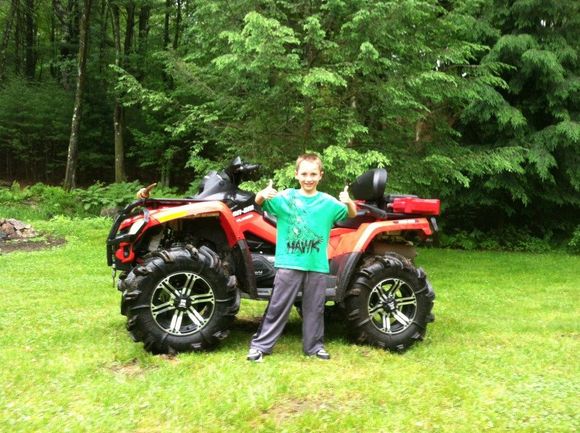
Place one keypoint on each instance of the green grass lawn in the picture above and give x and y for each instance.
(502, 355)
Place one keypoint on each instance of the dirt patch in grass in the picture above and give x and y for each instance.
(131, 368)
(134, 368)
(31, 244)
(246, 324)
(287, 409)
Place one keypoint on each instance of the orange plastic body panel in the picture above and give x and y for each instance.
(254, 223)
(233, 227)
(162, 215)
(343, 242)
(201, 210)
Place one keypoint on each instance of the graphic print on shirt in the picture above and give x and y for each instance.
(301, 239)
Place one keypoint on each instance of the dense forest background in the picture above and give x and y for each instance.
(475, 101)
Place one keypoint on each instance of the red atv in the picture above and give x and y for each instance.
(185, 263)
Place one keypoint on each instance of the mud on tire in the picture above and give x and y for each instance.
(179, 300)
(389, 303)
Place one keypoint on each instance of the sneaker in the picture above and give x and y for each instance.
(322, 354)
(255, 355)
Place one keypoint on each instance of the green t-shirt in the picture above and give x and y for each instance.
(303, 228)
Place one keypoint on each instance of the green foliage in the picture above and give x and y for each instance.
(99, 196)
(574, 243)
(41, 201)
(38, 201)
(157, 144)
(133, 93)
(34, 130)
(14, 194)
(341, 167)
(531, 124)
(505, 239)
(293, 77)
(114, 196)
(55, 200)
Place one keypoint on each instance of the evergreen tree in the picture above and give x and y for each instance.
(533, 119)
(273, 79)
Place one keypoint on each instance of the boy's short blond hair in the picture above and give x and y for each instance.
(311, 157)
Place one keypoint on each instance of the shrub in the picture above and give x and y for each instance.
(116, 195)
(54, 200)
(505, 239)
(41, 201)
(99, 196)
(574, 243)
(38, 201)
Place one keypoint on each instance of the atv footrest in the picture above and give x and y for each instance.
(266, 293)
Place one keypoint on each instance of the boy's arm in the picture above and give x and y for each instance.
(266, 194)
(344, 197)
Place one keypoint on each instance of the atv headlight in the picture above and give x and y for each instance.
(136, 226)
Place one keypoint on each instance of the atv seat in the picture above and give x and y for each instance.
(356, 221)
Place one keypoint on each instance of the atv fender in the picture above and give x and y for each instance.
(210, 209)
(345, 258)
(234, 236)
(214, 209)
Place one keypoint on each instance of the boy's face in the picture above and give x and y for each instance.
(308, 175)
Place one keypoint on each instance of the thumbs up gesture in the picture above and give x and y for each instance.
(145, 192)
(344, 196)
(267, 193)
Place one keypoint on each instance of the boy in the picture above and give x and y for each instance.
(305, 217)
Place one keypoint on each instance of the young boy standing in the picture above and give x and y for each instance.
(305, 217)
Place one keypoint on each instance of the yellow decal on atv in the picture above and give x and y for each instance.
(167, 215)
(170, 215)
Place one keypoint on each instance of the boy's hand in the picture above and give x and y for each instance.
(145, 192)
(267, 193)
(344, 197)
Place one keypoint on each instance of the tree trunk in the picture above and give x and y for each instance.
(30, 58)
(68, 19)
(166, 24)
(72, 158)
(103, 18)
(144, 15)
(119, 124)
(118, 115)
(17, 38)
(142, 36)
(6, 36)
(129, 31)
(177, 25)
(165, 173)
(52, 67)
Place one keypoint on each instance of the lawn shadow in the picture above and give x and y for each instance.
(334, 325)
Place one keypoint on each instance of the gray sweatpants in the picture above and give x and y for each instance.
(287, 284)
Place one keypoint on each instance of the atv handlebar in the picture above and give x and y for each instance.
(248, 167)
